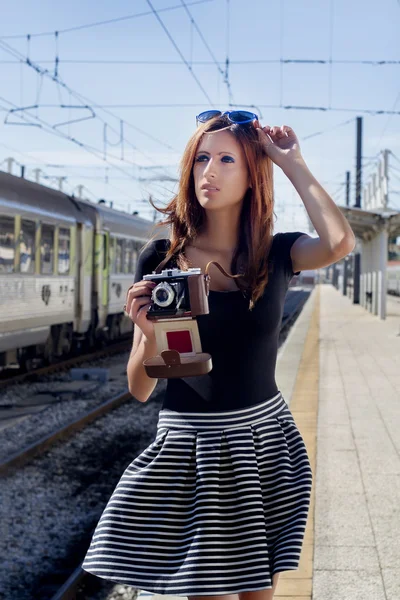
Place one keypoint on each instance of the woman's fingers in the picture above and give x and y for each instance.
(138, 307)
(277, 132)
(138, 290)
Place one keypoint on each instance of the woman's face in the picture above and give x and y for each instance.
(220, 162)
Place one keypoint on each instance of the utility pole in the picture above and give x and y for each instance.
(376, 192)
(357, 256)
(347, 188)
(37, 174)
(10, 162)
(347, 258)
(358, 162)
(385, 177)
(60, 182)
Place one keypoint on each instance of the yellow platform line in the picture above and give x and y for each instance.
(297, 585)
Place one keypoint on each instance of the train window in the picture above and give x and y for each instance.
(105, 251)
(47, 250)
(7, 245)
(64, 244)
(137, 246)
(27, 246)
(112, 254)
(134, 261)
(119, 254)
(127, 256)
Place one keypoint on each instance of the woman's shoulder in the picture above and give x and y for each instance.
(282, 243)
(151, 254)
(284, 240)
(157, 247)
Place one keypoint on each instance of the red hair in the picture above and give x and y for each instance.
(186, 216)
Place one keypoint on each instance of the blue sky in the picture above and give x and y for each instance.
(155, 129)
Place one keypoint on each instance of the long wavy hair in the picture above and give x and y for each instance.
(186, 216)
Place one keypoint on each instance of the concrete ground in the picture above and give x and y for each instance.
(355, 524)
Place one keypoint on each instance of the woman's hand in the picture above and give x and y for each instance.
(138, 303)
(280, 144)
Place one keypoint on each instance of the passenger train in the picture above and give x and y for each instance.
(393, 278)
(65, 267)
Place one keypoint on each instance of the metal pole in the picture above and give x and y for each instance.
(37, 174)
(358, 162)
(357, 257)
(385, 181)
(10, 162)
(356, 279)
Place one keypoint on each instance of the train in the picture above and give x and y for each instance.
(65, 267)
(393, 278)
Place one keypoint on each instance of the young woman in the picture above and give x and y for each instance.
(217, 505)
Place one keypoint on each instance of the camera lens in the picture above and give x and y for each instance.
(163, 294)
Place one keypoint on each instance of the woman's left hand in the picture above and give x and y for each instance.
(280, 144)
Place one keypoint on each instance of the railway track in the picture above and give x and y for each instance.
(27, 454)
(6, 379)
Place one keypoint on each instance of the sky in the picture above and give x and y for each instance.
(117, 89)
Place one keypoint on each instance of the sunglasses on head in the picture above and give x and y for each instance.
(240, 117)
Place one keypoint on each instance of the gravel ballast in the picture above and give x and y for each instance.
(53, 504)
(32, 428)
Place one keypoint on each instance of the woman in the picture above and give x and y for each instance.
(217, 505)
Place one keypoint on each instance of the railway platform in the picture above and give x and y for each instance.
(339, 371)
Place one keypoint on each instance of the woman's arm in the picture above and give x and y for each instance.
(140, 385)
(332, 227)
(336, 238)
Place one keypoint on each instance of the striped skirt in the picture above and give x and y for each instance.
(215, 505)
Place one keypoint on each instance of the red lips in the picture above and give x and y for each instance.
(209, 186)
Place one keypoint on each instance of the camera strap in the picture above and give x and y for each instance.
(160, 266)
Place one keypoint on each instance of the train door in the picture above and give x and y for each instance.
(84, 274)
(102, 269)
(78, 273)
(106, 269)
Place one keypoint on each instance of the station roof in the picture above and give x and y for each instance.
(367, 223)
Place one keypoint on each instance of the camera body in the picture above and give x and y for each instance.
(177, 299)
(178, 294)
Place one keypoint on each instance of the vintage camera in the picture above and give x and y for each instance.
(178, 294)
(177, 299)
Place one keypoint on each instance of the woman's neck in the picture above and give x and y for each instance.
(219, 235)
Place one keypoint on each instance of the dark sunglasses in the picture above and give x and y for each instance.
(234, 116)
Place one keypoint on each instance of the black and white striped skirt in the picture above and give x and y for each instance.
(215, 505)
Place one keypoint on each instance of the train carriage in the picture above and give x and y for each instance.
(65, 267)
(393, 277)
(118, 240)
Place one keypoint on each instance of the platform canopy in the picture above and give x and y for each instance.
(367, 223)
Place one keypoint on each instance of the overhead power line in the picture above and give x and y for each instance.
(223, 73)
(371, 111)
(99, 23)
(48, 128)
(84, 61)
(45, 73)
(155, 12)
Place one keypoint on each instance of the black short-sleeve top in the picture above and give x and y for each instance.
(243, 344)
